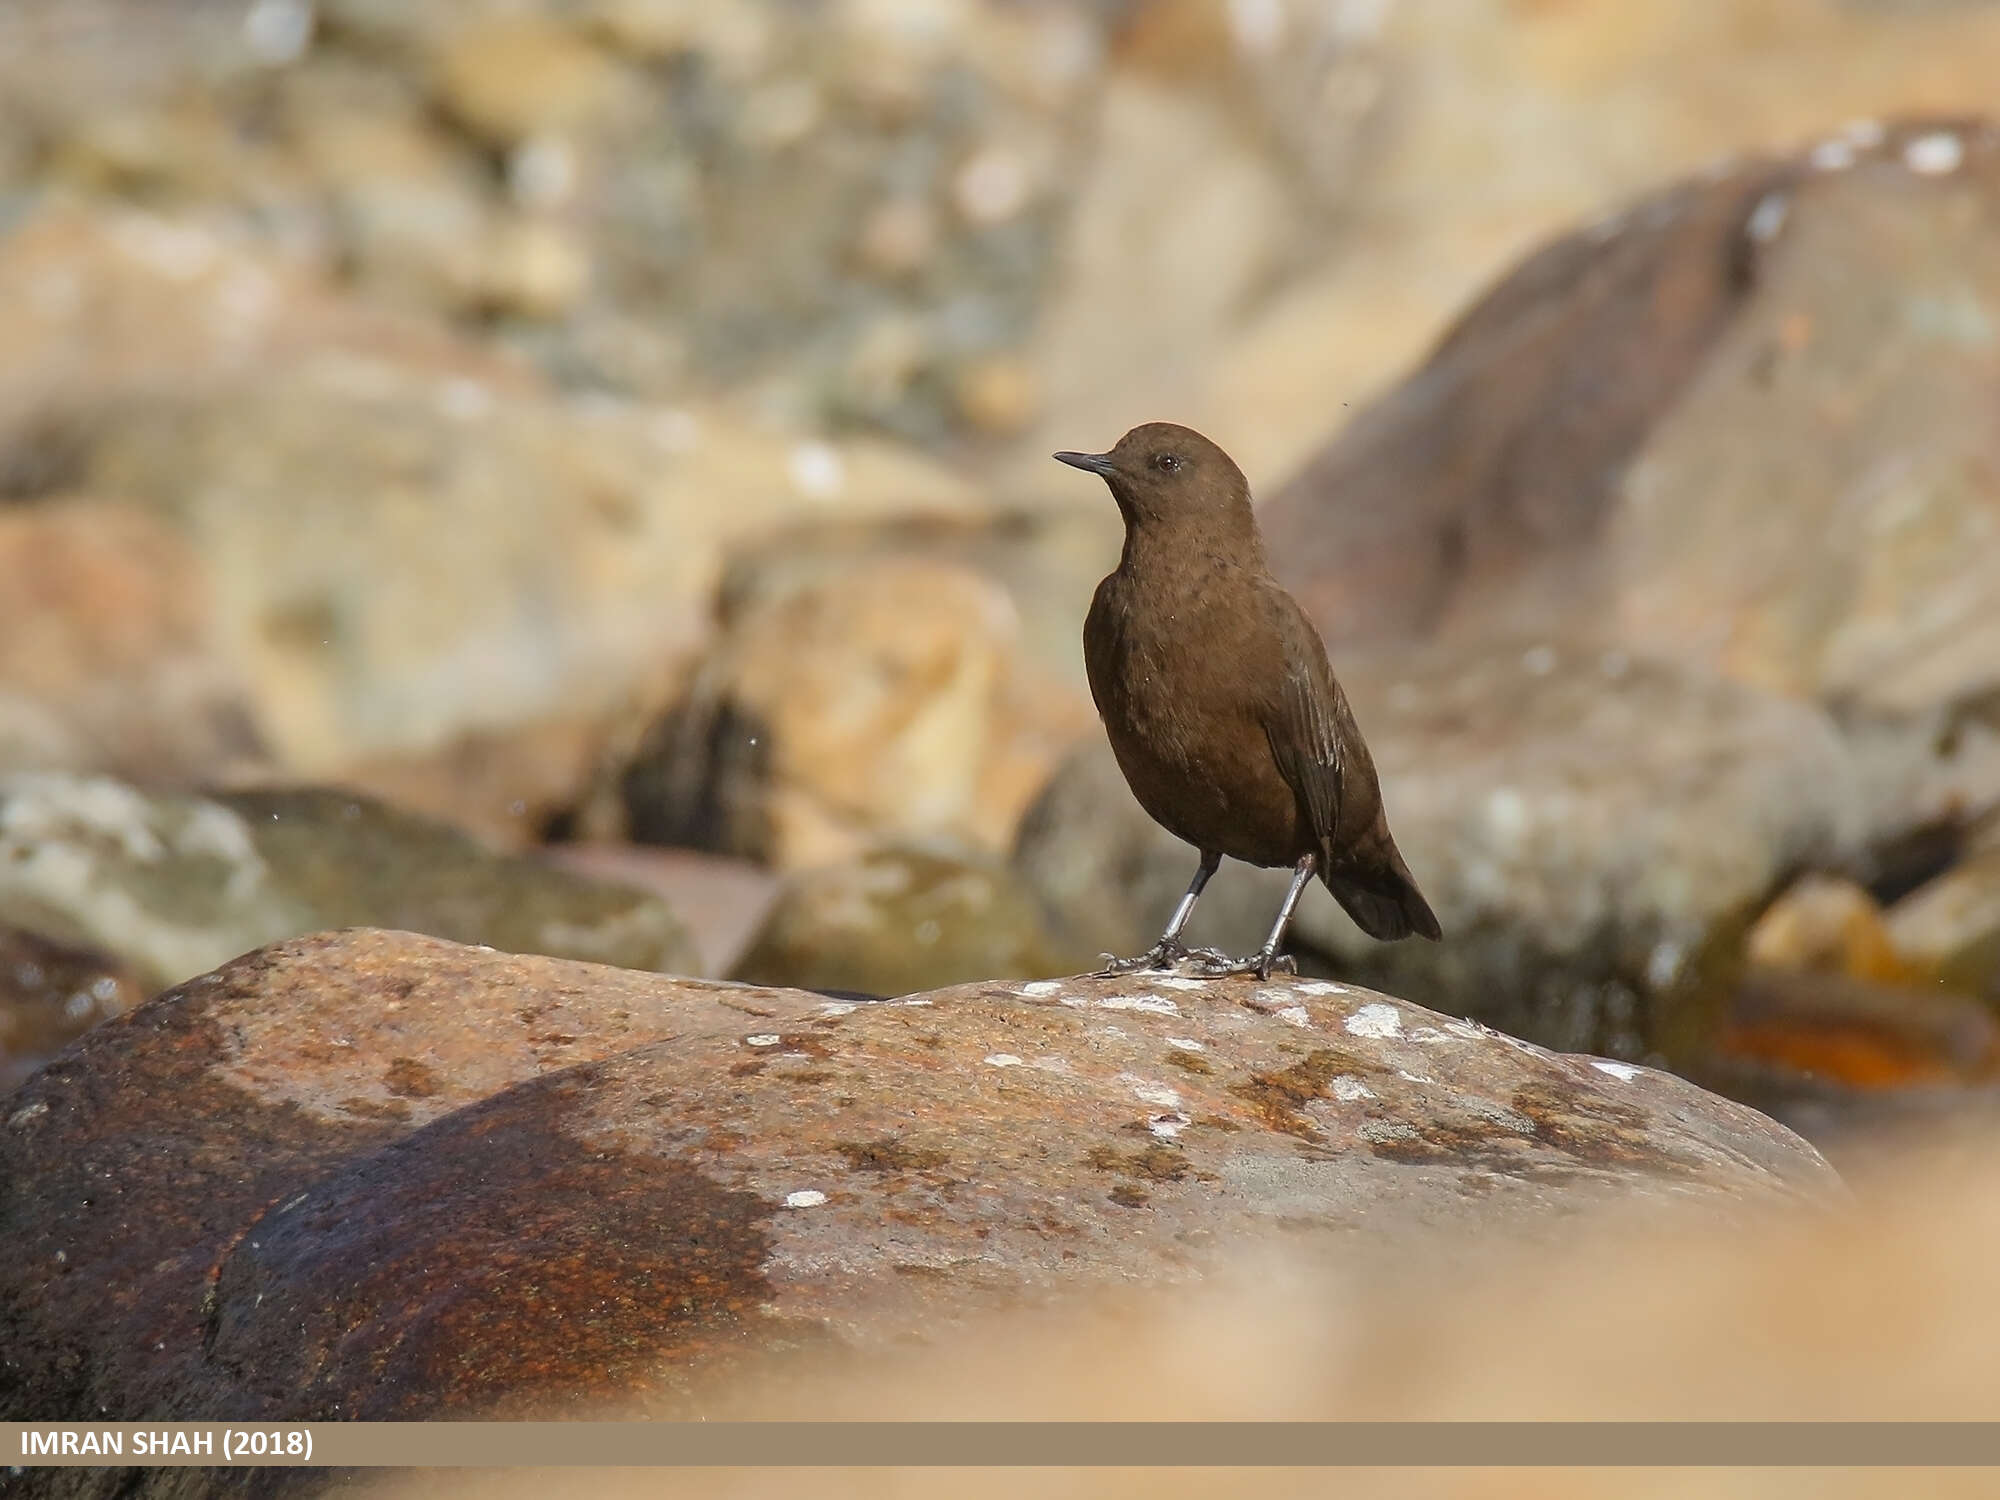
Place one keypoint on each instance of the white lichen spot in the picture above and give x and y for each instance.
(1166, 1127)
(818, 471)
(1176, 982)
(1768, 217)
(1158, 1005)
(762, 1039)
(22, 1116)
(1408, 1077)
(1865, 134)
(1002, 1060)
(1185, 1044)
(1041, 988)
(838, 1008)
(914, 1001)
(1623, 1072)
(1429, 1036)
(1376, 1021)
(806, 1198)
(1347, 1088)
(1319, 987)
(1296, 1015)
(1934, 154)
(1156, 1093)
(1466, 1031)
(1831, 156)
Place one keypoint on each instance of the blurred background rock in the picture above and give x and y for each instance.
(594, 426)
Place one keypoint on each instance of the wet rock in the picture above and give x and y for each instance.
(371, 1175)
(1594, 832)
(889, 701)
(50, 994)
(108, 654)
(175, 884)
(894, 921)
(1950, 927)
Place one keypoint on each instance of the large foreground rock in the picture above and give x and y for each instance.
(372, 1175)
(174, 884)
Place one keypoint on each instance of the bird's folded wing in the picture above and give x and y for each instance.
(1306, 733)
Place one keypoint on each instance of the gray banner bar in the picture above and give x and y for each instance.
(999, 1444)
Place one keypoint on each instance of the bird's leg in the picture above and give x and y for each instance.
(1169, 951)
(1268, 957)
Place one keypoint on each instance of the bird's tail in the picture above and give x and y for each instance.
(1382, 896)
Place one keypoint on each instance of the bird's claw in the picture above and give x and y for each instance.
(1263, 965)
(1166, 956)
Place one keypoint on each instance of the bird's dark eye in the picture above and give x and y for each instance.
(1166, 463)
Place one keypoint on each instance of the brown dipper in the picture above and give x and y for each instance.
(1218, 701)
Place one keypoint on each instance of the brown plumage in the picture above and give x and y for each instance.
(1218, 701)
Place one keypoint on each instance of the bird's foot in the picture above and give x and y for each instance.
(1263, 965)
(1165, 956)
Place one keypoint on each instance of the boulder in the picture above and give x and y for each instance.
(402, 558)
(887, 701)
(108, 654)
(371, 1175)
(173, 884)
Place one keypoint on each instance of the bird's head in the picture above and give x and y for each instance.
(1162, 474)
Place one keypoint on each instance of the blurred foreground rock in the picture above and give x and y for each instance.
(172, 884)
(1668, 574)
(371, 1175)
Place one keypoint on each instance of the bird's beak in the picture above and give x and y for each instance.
(1091, 463)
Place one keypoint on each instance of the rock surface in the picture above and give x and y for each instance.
(372, 1175)
(176, 884)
